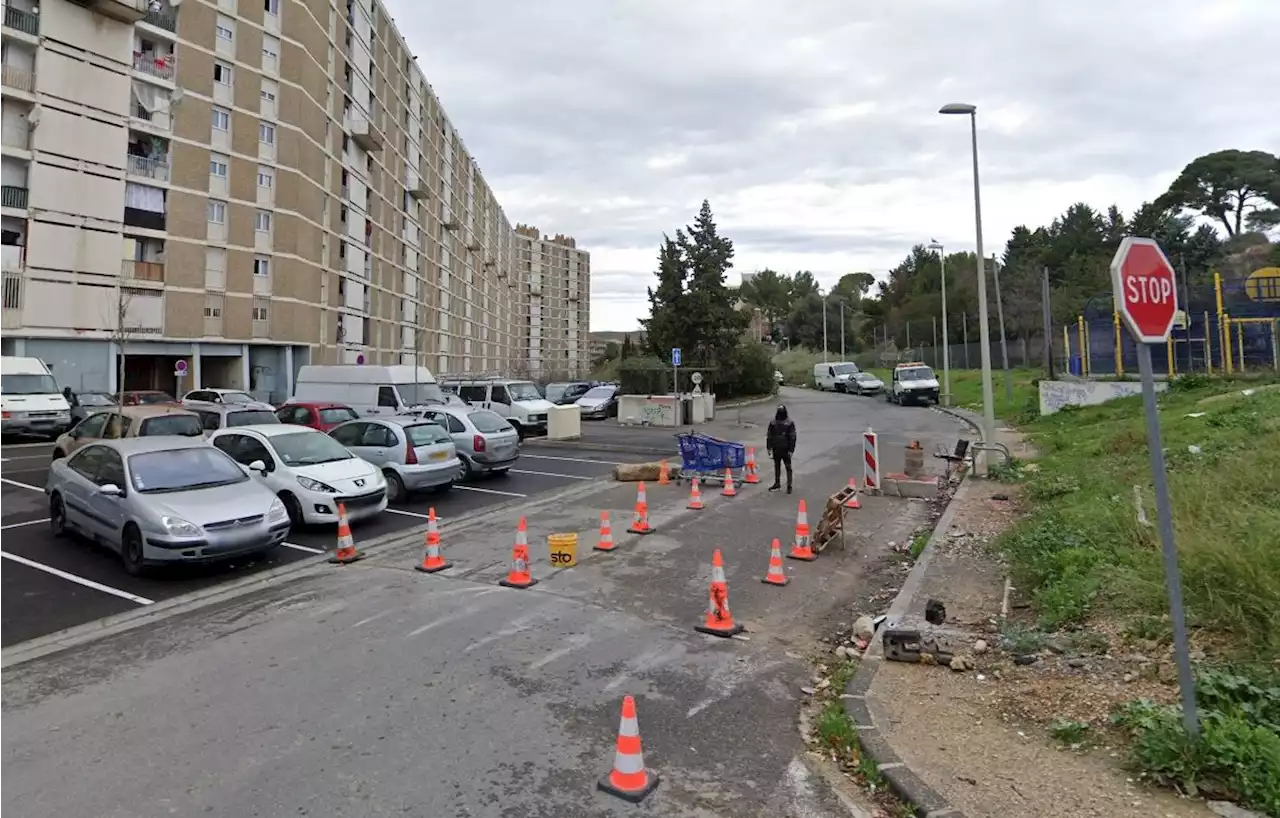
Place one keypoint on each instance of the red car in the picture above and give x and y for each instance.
(321, 416)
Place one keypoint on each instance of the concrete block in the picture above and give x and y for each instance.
(899, 485)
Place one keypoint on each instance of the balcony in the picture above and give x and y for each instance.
(363, 133)
(145, 219)
(160, 66)
(19, 79)
(151, 168)
(12, 313)
(122, 11)
(167, 20)
(25, 21)
(13, 196)
(152, 271)
(415, 185)
(156, 119)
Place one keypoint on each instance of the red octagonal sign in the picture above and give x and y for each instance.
(1146, 291)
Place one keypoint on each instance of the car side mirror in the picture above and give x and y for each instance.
(110, 490)
(258, 466)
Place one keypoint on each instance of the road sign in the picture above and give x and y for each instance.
(360, 359)
(1145, 288)
(180, 368)
(696, 378)
(675, 356)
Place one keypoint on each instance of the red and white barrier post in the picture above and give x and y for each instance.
(871, 462)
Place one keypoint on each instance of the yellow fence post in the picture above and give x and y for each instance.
(1240, 343)
(1084, 369)
(1066, 347)
(1088, 353)
(1169, 348)
(1115, 320)
(1208, 346)
(1228, 364)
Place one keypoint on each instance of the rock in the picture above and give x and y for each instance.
(1137, 658)
(1226, 809)
(1128, 677)
(824, 684)
(1197, 655)
(634, 472)
(1026, 659)
(864, 628)
(961, 663)
(980, 647)
(1076, 663)
(842, 652)
(808, 691)
(1167, 673)
(1056, 646)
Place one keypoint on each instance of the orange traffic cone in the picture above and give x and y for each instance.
(852, 502)
(719, 621)
(695, 496)
(664, 473)
(519, 576)
(775, 575)
(628, 779)
(606, 533)
(434, 560)
(729, 490)
(641, 524)
(803, 548)
(346, 551)
(753, 476)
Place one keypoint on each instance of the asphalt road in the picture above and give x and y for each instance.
(374, 690)
(47, 584)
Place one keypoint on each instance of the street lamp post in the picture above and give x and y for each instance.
(946, 338)
(824, 329)
(842, 330)
(988, 400)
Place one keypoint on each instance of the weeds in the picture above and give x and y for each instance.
(1069, 733)
(918, 543)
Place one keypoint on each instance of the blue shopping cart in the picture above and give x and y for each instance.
(708, 457)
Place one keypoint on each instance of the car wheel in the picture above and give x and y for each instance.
(57, 516)
(293, 508)
(395, 487)
(468, 471)
(131, 553)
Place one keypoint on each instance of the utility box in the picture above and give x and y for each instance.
(564, 423)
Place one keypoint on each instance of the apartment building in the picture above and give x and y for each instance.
(555, 301)
(247, 186)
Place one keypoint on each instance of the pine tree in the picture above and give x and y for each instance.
(715, 325)
(627, 349)
(668, 323)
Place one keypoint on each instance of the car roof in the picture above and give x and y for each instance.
(316, 404)
(150, 411)
(224, 408)
(271, 429)
(152, 443)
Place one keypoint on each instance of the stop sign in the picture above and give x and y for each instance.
(1146, 292)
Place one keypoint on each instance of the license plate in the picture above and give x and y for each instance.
(439, 456)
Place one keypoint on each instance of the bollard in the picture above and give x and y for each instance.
(914, 460)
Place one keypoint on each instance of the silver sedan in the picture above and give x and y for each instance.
(163, 500)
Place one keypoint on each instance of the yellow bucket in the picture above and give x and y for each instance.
(564, 550)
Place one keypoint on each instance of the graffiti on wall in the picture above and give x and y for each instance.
(1055, 395)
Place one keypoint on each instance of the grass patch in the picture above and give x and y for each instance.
(796, 366)
(1069, 733)
(918, 543)
(837, 734)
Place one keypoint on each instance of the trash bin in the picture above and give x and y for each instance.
(1075, 366)
(564, 550)
(686, 411)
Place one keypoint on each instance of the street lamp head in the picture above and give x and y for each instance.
(958, 108)
(934, 245)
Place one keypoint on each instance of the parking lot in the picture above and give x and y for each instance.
(49, 584)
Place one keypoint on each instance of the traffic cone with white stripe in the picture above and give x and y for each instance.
(803, 548)
(606, 533)
(695, 496)
(753, 476)
(729, 490)
(641, 524)
(434, 561)
(719, 621)
(628, 779)
(776, 575)
(664, 473)
(519, 575)
(346, 551)
(852, 502)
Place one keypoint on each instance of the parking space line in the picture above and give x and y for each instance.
(571, 459)
(8, 446)
(88, 583)
(306, 548)
(7, 481)
(23, 524)
(552, 474)
(414, 513)
(489, 491)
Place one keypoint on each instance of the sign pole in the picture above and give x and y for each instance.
(1164, 515)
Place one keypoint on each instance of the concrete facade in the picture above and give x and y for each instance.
(555, 296)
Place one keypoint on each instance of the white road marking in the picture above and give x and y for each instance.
(369, 619)
(9, 482)
(24, 457)
(23, 524)
(9, 446)
(571, 644)
(445, 620)
(88, 583)
(570, 459)
(417, 514)
(306, 548)
(490, 491)
(521, 624)
(552, 474)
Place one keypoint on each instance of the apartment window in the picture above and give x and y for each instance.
(268, 96)
(224, 29)
(271, 6)
(221, 119)
(342, 214)
(270, 52)
(260, 309)
(262, 222)
(222, 73)
(213, 307)
(266, 177)
(217, 212)
(218, 167)
(266, 133)
(261, 266)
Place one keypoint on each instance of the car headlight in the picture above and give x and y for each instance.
(379, 479)
(179, 527)
(315, 485)
(277, 512)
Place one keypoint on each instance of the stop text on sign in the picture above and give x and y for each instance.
(1148, 290)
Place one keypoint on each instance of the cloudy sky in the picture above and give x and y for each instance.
(811, 125)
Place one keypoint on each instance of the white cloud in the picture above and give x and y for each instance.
(812, 126)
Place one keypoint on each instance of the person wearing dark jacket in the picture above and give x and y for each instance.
(781, 441)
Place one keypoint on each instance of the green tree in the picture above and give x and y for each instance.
(770, 293)
(1230, 187)
(713, 325)
(667, 325)
(627, 349)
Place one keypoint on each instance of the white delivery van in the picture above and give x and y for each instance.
(30, 398)
(369, 390)
(517, 401)
(834, 375)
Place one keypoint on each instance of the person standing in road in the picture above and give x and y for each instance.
(781, 441)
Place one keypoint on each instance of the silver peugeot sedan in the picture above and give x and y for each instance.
(414, 454)
(163, 500)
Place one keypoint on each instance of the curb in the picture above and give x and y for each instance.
(964, 416)
(925, 801)
(752, 402)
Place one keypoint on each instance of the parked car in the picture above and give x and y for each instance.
(322, 416)
(146, 397)
(29, 399)
(125, 422)
(309, 471)
(486, 442)
(237, 397)
(517, 401)
(414, 454)
(834, 375)
(215, 416)
(163, 500)
(913, 383)
(864, 383)
(599, 402)
(566, 394)
(369, 389)
(88, 403)
(778, 377)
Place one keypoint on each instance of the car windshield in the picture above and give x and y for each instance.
(152, 398)
(28, 385)
(185, 425)
(485, 421)
(599, 393)
(427, 434)
(845, 369)
(415, 394)
(237, 397)
(864, 376)
(308, 448)
(183, 470)
(250, 417)
(95, 399)
(523, 391)
(916, 373)
(337, 415)
(555, 391)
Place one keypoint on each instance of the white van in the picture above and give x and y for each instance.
(30, 398)
(517, 401)
(370, 390)
(834, 375)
